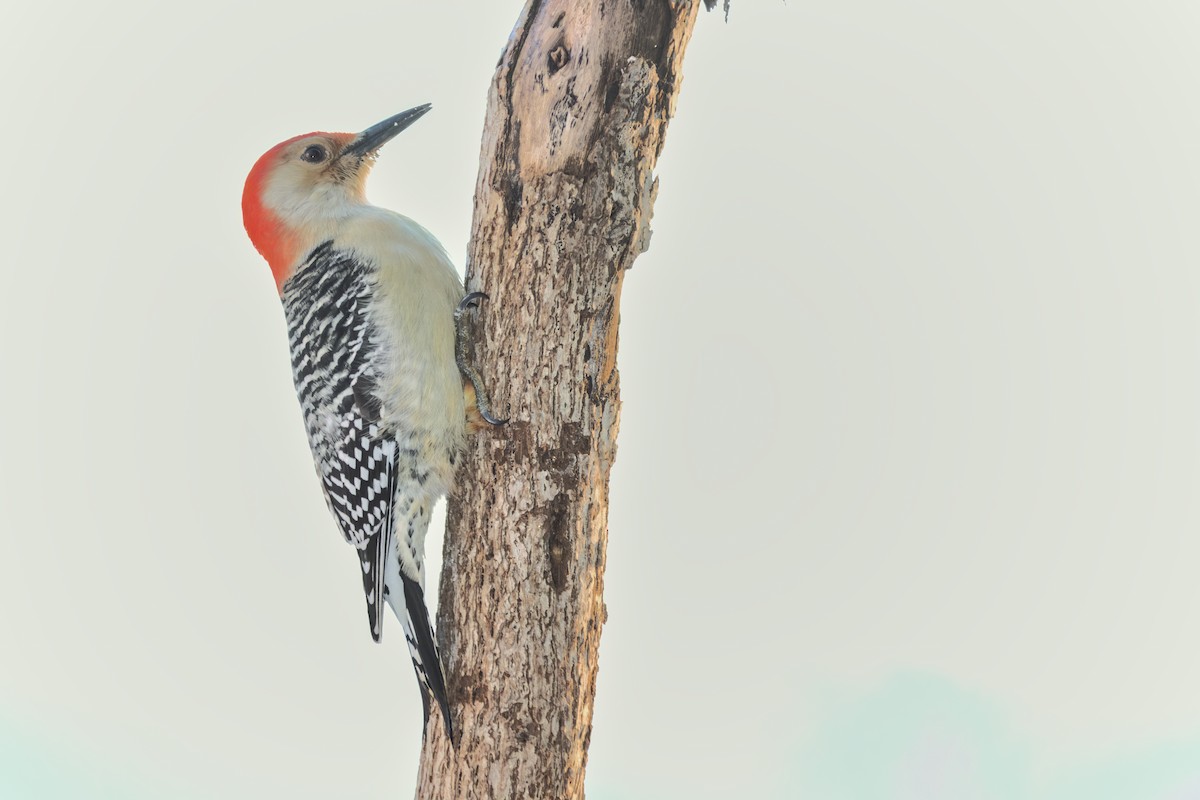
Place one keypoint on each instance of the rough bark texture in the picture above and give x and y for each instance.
(577, 113)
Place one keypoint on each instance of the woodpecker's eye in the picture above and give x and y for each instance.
(314, 154)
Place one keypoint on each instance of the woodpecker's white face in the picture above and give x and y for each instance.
(309, 180)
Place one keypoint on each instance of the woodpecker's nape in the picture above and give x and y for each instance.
(379, 359)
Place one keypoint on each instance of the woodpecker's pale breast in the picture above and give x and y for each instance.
(416, 290)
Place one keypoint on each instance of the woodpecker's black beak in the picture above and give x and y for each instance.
(381, 133)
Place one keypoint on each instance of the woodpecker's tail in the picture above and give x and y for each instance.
(407, 599)
(424, 650)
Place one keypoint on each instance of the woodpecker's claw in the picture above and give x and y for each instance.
(470, 301)
(462, 358)
(485, 412)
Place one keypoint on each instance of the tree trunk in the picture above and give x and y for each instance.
(577, 113)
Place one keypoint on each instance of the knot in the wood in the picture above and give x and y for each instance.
(558, 58)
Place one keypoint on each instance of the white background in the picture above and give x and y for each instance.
(910, 382)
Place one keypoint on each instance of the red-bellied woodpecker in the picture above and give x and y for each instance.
(372, 304)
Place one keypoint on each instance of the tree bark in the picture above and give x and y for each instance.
(576, 117)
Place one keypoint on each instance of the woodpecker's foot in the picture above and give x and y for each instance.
(479, 408)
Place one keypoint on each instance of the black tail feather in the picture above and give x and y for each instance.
(414, 601)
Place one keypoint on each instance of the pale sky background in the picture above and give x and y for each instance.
(906, 502)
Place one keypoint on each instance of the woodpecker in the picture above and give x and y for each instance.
(373, 307)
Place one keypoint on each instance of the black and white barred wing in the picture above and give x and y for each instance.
(359, 487)
(331, 345)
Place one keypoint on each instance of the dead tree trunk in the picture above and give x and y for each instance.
(577, 113)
